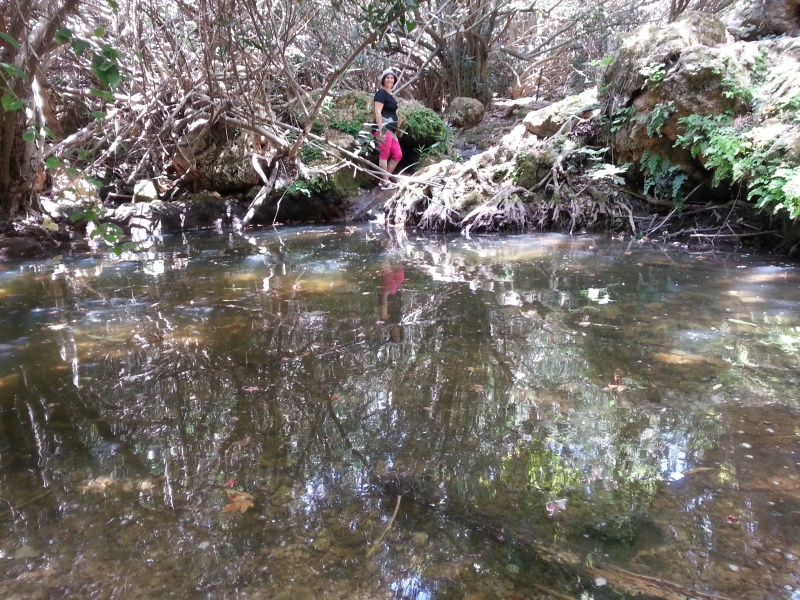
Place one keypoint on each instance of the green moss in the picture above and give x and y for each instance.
(424, 127)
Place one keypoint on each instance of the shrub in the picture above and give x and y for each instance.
(425, 128)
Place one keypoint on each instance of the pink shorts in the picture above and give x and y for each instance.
(389, 147)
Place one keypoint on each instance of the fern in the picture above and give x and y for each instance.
(658, 116)
(732, 155)
(779, 190)
(664, 179)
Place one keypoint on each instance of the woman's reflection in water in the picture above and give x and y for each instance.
(391, 300)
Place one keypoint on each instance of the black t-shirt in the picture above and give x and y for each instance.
(389, 110)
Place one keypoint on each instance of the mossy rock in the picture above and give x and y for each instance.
(349, 111)
(534, 165)
(652, 45)
(423, 126)
(624, 528)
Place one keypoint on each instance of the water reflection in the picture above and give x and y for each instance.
(551, 411)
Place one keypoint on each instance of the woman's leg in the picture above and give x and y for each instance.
(395, 154)
(385, 147)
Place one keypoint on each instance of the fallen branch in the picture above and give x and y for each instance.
(386, 528)
(737, 235)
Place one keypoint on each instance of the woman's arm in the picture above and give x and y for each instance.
(378, 118)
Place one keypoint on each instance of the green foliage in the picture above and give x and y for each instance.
(779, 190)
(425, 128)
(731, 154)
(8, 38)
(9, 99)
(761, 65)
(654, 74)
(602, 63)
(791, 108)
(351, 127)
(611, 172)
(732, 88)
(310, 153)
(105, 67)
(620, 117)
(658, 116)
(519, 166)
(376, 13)
(315, 186)
(111, 233)
(727, 152)
(664, 179)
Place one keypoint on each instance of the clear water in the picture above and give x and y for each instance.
(572, 416)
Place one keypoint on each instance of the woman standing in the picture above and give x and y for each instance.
(385, 128)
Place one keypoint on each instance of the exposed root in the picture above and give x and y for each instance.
(504, 212)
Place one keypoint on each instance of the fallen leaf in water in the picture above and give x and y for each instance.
(696, 470)
(98, 484)
(230, 483)
(250, 388)
(240, 501)
(240, 505)
(680, 358)
(740, 322)
(613, 387)
(477, 387)
(616, 386)
(732, 519)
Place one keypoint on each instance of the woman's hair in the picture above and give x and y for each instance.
(386, 73)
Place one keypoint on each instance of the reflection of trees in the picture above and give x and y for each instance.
(206, 373)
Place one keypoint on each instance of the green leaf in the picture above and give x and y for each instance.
(79, 46)
(87, 215)
(11, 102)
(114, 79)
(110, 53)
(108, 96)
(52, 162)
(14, 71)
(113, 4)
(63, 35)
(98, 114)
(100, 31)
(9, 39)
(28, 136)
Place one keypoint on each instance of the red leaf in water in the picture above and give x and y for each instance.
(239, 501)
(250, 388)
(732, 519)
(230, 483)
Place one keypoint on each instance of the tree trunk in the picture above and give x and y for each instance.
(33, 25)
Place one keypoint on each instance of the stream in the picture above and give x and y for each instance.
(236, 416)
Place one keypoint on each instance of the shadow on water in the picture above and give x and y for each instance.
(560, 417)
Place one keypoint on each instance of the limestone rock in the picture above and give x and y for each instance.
(547, 121)
(664, 74)
(465, 112)
(651, 47)
(750, 20)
